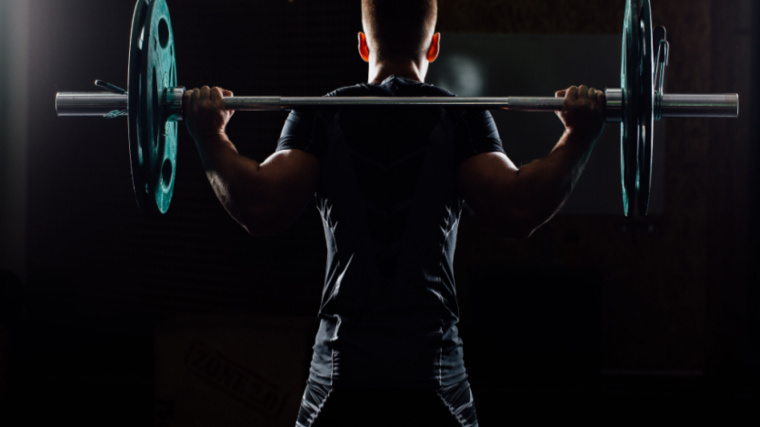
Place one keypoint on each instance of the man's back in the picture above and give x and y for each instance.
(390, 208)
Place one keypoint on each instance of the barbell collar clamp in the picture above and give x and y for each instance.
(614, 109)
(173, 103)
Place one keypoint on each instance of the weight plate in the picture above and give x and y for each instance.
(646, 115)
(629, 126)
(133, 86)
(152, 139)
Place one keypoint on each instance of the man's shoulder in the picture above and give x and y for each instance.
(392, 86)
(361, 89)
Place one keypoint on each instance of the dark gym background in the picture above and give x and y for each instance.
(595, 316)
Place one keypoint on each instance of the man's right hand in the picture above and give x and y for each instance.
(204, 112)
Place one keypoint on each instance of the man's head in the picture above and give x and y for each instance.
(399, 30)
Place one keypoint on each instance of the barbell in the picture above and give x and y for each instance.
(153, 103)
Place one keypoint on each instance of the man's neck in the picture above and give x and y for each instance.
(381, 70)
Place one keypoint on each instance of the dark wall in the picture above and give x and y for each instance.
(612, 309)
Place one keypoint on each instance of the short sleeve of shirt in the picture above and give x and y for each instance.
(476, 134)
(304, 130)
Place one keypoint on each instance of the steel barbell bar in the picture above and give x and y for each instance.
(105, 104)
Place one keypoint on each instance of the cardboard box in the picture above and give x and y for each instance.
(232, 371)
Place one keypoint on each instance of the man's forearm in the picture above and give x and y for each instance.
(233, 177)
(553, 177)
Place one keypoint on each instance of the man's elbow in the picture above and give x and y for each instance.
(516, 229)
(528, 222)
(515, 223)
(257, 229)
(523, 231)
(263, 221)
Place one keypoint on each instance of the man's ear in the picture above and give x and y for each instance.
(435, 47)
(363, 48)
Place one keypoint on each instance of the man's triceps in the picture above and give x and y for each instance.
(285, 183)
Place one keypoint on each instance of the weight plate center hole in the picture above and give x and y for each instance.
(163, 33)
(166, 174)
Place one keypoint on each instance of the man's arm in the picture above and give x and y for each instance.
(517, 201)
(263, 197)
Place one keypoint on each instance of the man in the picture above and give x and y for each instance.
(390, 185)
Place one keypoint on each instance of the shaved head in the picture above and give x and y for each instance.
(399, 29)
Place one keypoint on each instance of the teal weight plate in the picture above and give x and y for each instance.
(630, 86)
(152, 138)
(646, 116)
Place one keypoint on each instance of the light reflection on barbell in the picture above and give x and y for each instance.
(666, 105)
